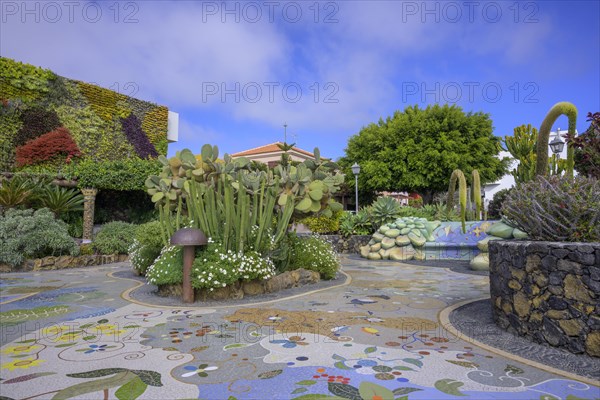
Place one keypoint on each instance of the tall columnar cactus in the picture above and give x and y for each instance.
(457, 175)
(477, 193)
(522, 146)
(562, 108)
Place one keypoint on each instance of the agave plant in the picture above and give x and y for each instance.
(384, 210)
(60, 200)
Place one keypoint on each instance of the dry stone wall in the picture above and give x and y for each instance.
(548, 292)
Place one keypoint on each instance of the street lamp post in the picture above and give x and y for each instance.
(557, 146)
(356, 171)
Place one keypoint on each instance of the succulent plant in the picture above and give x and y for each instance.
(458, 177)
(384, 210)
(562, 108)
(230, 197)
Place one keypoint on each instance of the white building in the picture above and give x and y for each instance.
(508, 181)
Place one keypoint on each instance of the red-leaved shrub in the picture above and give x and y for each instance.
(46, 147)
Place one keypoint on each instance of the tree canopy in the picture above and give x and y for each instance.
(417, 150)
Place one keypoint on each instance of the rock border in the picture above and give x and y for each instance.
(65, 262)
(548, 292)
(240, 289)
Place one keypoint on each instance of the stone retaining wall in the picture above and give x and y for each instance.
(343, 244)
(286, 280)
(62, 262)
(548, 292)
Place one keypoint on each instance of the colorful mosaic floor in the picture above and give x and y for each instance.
(70, 334)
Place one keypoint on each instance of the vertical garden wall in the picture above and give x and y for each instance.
(69, 129)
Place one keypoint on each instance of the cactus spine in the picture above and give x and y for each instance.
(562, 108)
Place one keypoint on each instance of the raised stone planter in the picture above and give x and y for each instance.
(286, 280)
(548, 292)
(63, 262)
(350, 244)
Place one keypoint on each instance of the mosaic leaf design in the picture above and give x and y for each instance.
(513, 370)
(119, 379)
(131, 390)
(338, 357)
(150, 378)
(199, 349)
(382, 368)
(300, 390)
(97, 373)
(449, 386)
(344, 391)
(370, 390)
(341, 365)
(236, 346)
(14, 317)
(405, 390)
(28, 377)
(270, 374)
(466, 364)
(306, 383)
(370, 350)
(413, 361)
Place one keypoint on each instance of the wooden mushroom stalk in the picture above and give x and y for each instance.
(189, 238)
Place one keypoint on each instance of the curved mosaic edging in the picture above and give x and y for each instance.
(126, 295)
(444, 320)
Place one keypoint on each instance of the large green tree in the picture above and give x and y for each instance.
(417, 150)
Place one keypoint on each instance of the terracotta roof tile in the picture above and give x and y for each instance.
(269, 148)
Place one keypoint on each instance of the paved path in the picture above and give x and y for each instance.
(78, 334)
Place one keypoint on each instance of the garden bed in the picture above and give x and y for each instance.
(240, 289)
(548, 292)
(64, 262)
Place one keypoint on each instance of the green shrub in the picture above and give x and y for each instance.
(356, 224)
(416, 202)
(141, 256)
(146, 246)
(114, 237)
(323, 224)
(149, 234)
(167, 268)
(33, 234)
(75, 225)
(495, 204)
(556, 209)
(315, 254)
(86, 249)
(214, 269)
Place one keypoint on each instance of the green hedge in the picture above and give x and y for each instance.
(128, 174)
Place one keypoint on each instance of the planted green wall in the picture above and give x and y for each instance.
(94, 117)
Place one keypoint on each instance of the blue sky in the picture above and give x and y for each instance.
(237, 71)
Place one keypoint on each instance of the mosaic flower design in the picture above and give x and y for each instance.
(200, 370)
(94, 348)
(290, 343)
(22, 363)
(21, 349)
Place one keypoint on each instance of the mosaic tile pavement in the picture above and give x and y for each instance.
(70, 334)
